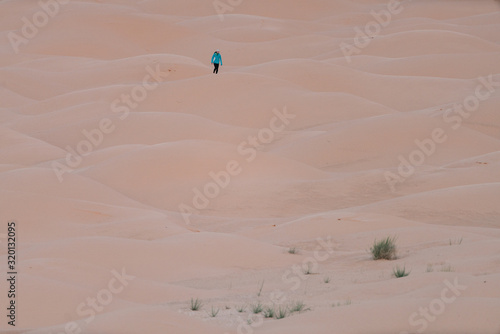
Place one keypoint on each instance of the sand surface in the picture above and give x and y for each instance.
(138, 180)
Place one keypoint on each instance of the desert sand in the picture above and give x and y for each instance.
(137, 180)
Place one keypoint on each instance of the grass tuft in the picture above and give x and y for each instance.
(195, 304)
(257, 308)
(281, 313)
(347, 302)
(293, 250)
(214, 312)
(400, 272)
(298, 306)
(384, 249)
(241, 308)
(269, 312)
(326, 279)
(448, 268)
(308, 271)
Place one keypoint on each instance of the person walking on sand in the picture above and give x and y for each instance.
(216, 60)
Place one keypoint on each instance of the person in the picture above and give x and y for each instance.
(216, 60)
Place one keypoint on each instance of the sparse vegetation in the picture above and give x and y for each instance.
(345, 303)
(456, 241)
(293, 250)
(281, 313)
(195, 304)
(430, 268)
(326, 279)
(447, 268)
(384, 249)
(400, 272)
(260, 290)
(214, 312)
(298, 306)
(241, 308)
(308, 271)
(268, 312)
(257, 308)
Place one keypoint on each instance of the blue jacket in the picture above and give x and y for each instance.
(216, 58)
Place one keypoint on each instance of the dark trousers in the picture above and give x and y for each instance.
(216, 68)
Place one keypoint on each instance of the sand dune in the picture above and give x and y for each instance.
(140, 181)
(438, 66)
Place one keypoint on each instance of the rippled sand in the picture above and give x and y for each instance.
(139, 180)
